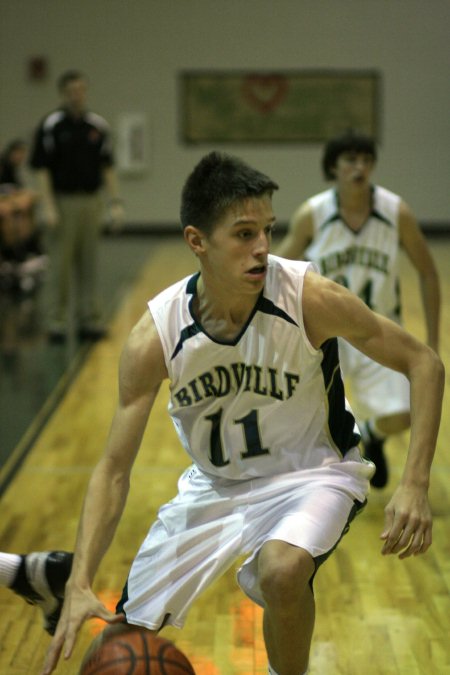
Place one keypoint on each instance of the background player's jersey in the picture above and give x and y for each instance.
(365, 261)
(266, 402)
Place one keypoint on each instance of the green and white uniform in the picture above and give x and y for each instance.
(272, 439)
(366, 262)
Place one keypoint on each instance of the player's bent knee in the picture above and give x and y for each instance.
(284, 574)
(394, 424)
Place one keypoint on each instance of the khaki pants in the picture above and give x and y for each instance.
(73, 247)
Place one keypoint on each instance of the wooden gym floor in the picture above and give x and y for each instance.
(375, 615)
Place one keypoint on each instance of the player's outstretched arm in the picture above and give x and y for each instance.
(416, 247)
(331, 310)
(141, 372)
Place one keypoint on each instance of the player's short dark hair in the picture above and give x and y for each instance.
(69, 76)
(215, 183)
(350, 141)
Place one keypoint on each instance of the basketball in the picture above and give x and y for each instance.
(136, 652)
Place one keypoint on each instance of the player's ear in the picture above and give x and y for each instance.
(195, 239)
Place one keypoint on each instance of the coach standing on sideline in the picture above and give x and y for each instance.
(72, 157)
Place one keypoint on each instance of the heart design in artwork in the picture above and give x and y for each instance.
(264, 92)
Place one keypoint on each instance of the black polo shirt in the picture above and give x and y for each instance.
(74, 150)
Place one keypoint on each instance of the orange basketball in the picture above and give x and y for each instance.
(136, 652)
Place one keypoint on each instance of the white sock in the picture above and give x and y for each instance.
(9, 564)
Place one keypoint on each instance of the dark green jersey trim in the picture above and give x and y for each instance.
(193, 328)
(374, 213)
(341, 422)
(268, 307)
(191, 286)
(123, 599)
(329, 221)
(186, 333)
(262, 305)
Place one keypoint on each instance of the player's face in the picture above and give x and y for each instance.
(236, 251)
(354, 168)
(75, 95)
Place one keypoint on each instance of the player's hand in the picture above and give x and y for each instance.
(408, 522)
(79, 605)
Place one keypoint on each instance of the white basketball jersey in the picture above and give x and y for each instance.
(264, 403)
(365, 261)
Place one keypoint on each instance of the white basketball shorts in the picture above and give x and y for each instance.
(209, 524)
(374, 390)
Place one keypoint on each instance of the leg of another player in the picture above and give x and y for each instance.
(393, 424)
(284, 574)
(9, 565)
(40, 579)
(374, 433)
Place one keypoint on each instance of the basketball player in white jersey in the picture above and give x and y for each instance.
(354, 231)
(249, 346)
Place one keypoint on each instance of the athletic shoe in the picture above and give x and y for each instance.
(373, 450)
(57, 333)
(41, 579)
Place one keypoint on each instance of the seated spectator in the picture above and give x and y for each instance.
(21, 256)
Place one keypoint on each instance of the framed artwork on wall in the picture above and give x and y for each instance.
(306, 106)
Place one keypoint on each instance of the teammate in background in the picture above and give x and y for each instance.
(248, 344)
(354, 231)
(72, 156)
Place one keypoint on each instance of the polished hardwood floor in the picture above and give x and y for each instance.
(375, 615)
